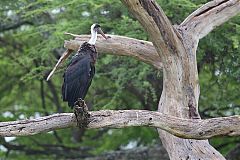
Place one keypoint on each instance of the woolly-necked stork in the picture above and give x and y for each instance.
(79, 73)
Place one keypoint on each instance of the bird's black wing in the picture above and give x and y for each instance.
(77, 78)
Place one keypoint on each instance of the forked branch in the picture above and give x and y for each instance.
(209, 16)
(185, 128)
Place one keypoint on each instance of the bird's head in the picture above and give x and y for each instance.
(97, 29)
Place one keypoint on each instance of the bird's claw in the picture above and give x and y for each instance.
(80, 102)
(81, 113)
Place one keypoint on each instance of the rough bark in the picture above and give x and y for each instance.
(120, 45)
(209, 16)
(185, 128)
(177, 50)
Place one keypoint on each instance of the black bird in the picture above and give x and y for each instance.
(79, 73)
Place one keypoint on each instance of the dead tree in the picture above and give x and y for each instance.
(176, 50)
(173, 50)
(177, 47)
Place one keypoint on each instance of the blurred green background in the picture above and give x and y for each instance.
(31, 41)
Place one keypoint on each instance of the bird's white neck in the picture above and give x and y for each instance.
(93, 39)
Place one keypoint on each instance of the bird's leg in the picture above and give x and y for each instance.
(81, 113)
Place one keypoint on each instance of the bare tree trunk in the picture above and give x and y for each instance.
(177, 50)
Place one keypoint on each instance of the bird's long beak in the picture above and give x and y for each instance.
(99, 30)
(60, 61)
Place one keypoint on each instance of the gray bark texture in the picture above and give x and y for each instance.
(184, 128)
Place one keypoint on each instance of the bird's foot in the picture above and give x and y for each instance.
(81, 113)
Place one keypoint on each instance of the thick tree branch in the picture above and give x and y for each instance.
(185, 128)
(120, 45)
(209, 16)
(160, 30)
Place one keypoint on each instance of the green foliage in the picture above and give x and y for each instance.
(31, 41)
